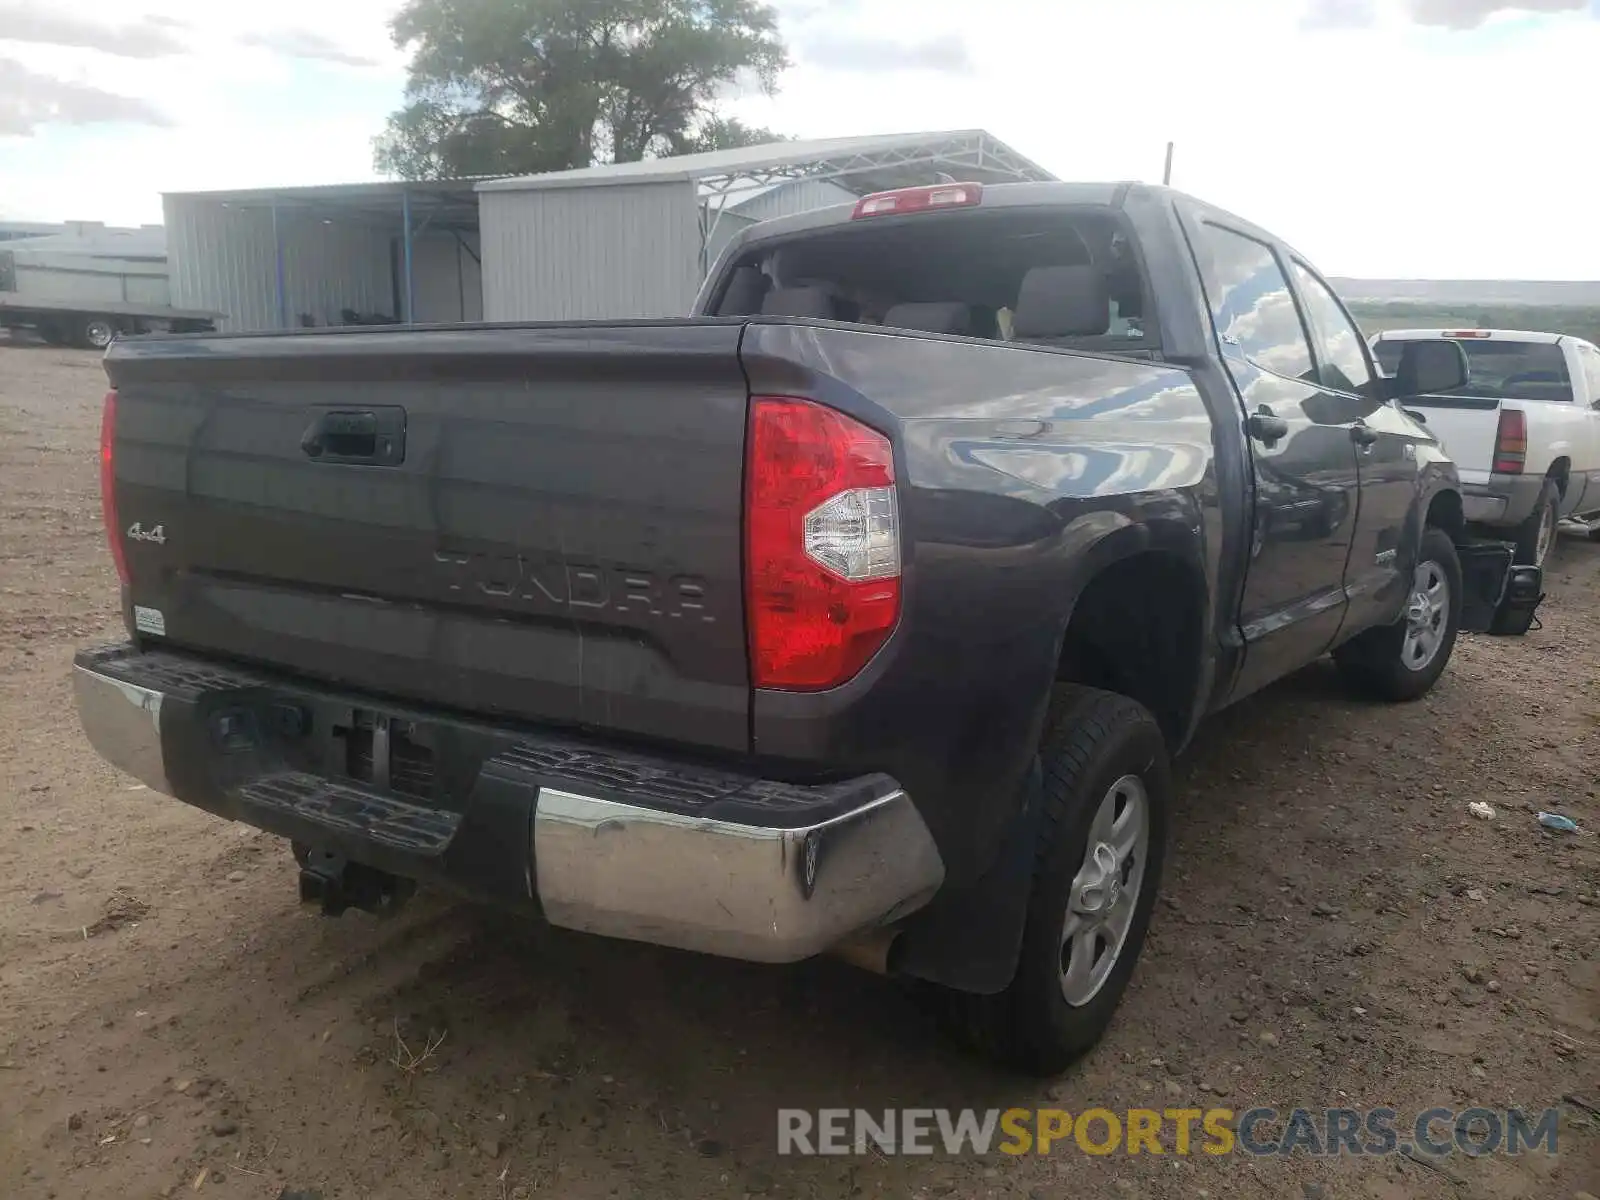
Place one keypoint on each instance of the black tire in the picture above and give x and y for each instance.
(1092, 740)
(1548, 507)
(1378, 661)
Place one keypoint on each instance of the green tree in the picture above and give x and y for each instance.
(522, 86)
(724, 133)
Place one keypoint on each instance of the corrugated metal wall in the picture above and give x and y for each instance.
(447, 281)
(786, 199)
(595, 253)
(221, 258)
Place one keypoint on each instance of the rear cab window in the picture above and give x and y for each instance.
(1061, 276)
(1500, 368)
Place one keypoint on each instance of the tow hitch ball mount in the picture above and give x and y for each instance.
(334, 883)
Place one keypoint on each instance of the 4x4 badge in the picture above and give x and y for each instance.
(158, 535)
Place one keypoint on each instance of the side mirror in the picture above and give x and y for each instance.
(1429, 366)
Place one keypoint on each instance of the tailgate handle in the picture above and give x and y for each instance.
(373, 436)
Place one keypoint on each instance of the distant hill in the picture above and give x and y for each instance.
(1527, 293)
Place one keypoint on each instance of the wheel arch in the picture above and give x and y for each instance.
(1136, 626)
(969, 938)
(1561, 472)
(1446, 511)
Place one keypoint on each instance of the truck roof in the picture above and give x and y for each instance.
(998, 195)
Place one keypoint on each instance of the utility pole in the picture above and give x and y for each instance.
(1166, 172)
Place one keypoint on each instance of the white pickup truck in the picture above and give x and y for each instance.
(1524, 430)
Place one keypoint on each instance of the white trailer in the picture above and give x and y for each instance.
(88, 285)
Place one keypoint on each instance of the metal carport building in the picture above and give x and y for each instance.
(636, 239)
(608, 242)
(278, 258)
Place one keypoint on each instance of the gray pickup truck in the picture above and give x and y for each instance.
(861, 612)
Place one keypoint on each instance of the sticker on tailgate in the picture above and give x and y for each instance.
(149, 620)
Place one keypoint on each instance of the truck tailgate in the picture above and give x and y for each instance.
(1467, 426)
(536, 522)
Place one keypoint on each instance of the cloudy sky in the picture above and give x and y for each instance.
(1429, 138)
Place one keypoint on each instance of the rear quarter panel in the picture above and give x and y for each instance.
(1021, 472)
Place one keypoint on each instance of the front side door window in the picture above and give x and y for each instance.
(1341, 355)
(1386, 452)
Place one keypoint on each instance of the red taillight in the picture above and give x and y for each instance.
(1511, 442)
(108, 483)
(822, 544)
(919, 199)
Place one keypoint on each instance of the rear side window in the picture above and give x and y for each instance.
(1502, 368)
(1251, 302)
(1590, 358)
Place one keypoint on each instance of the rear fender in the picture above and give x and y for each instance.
(970, 936)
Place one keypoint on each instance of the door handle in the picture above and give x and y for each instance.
(1363, 435)
(374, 437)
(1265, 427)
(345, 434)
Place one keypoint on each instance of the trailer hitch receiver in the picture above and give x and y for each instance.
(335, 884)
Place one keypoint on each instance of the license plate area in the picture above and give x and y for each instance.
(387, 752)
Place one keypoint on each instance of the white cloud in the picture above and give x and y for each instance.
(247, 98)
(30, 101)
(831, 49)
(1447, 14)
(1367, 137)
(146, 38)
(305, 43)
(1377, 150)
(1468, 14)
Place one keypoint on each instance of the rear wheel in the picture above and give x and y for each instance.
(98, 332)
(1097, 866)
(1404, 660)
(1537, 534)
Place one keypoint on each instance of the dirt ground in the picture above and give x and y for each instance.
(1335, 930)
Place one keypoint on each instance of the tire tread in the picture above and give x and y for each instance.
(1080, 722)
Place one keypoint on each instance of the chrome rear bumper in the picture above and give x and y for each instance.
(774, 895)
(616, 865)
(123, 723)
